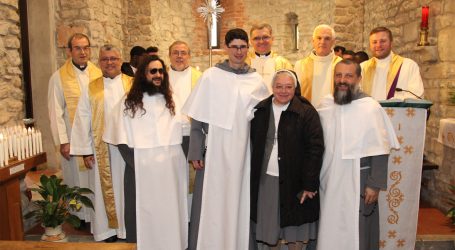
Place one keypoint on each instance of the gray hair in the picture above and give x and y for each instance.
(324, 26)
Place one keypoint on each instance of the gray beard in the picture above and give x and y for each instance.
(345, 97)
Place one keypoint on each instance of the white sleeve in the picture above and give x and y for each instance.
(58, 115)
(415, 84)
(81, 134)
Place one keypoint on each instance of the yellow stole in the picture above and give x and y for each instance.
(369, 70)
(195, 75)
(70, 85)
(306, 82)
(96, 96)
(280, 62)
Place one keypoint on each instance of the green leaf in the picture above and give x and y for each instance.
(73, 220)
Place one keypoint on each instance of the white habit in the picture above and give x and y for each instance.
(61, 131)
(82, 144)
(160, 172)
(351, 132)
(225, 101)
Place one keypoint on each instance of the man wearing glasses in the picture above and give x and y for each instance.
(221, 108)
(263, 59)
(65, 87)
(105, 164)
(315, 72)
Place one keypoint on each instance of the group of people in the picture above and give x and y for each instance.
(282, 154)
(359, 56)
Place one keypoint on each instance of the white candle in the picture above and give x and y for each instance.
(5, 150)
(23, 146)
(18, 146)
(14, 142)
(1, 150)
(40, 142)
(10, 145)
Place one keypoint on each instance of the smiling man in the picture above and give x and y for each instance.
(221, 107)
(315, 72)
(355, 162)
(105, 164)
(65, 88)
(386, 72)
(263, 59)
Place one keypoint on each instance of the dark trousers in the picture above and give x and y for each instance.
(129, 193)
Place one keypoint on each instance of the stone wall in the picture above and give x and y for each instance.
(437, 68)
(12, 107)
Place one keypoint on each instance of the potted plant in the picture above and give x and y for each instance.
(58, 200)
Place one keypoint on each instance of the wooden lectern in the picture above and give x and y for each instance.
(11, 227)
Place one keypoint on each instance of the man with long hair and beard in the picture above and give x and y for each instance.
(358, 136)
(149, 121)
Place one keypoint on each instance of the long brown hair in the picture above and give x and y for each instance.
(133, 101)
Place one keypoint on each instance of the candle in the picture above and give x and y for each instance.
(40, 142)
(10, 145)
(425, 12)
(18, 146)
(23, 146)
(5, 150)
(1, 150)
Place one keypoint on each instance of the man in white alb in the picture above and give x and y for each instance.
(65, 87)
(265, 61)
(104, 160)
(387, 75)
(315, 72)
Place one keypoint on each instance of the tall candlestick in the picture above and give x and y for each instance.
(425, 13)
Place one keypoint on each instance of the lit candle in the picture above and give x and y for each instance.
(23, 146)
(425, 12)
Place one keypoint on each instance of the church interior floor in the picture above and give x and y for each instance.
(433, 225)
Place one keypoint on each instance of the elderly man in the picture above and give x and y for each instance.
(222, 106)
(136, 55)
(65, 87)
(315, 72)
(354, 168)
(148, 120)
(104, 161)
(286, 157)
(387, 75)
(263, 59)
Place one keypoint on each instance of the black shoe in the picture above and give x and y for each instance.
(111, 239)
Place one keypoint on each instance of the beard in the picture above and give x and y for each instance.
(150, 88)
(342, 97)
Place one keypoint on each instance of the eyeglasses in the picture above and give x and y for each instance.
(179, 53)
(80, 49)
(154, 70)
(238, 47)
(109, 59)
(263, 38)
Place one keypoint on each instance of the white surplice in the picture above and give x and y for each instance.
(160, 172)
(409, 79)
(82, 144)
(225, 101)
(351, 131)
(61, 132)
(265, 66)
